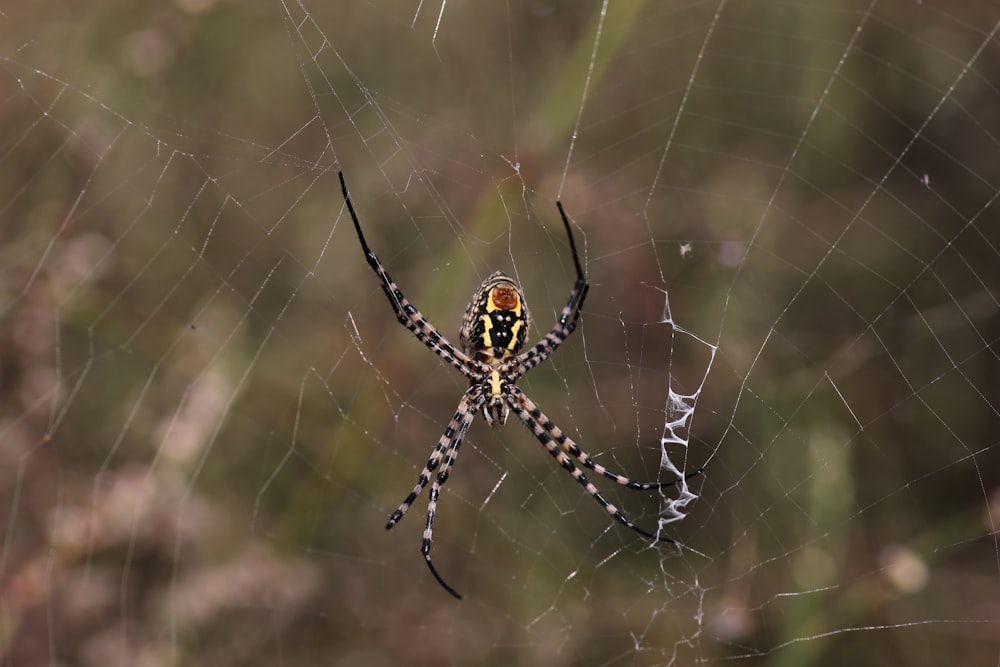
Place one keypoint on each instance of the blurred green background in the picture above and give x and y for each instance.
(207, 410)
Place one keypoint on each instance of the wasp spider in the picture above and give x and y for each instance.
(492, 334)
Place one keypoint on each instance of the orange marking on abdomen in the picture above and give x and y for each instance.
(504, 298)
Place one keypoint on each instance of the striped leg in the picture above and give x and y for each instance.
(471, 402)
(568, 318)
(533, 419)
(406, 312)
(449, 459)
(544, 348)
(549, 431)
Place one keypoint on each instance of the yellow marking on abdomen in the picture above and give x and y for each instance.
(513, 334)
(487, 325)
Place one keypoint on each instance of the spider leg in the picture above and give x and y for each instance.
(406, 312)
(553, 432)
(567, 318)
(444, 454)
(471, 402)
(517, 401)
(572, 246)
(449, 459)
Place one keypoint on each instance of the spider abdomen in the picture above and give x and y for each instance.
(496, 321)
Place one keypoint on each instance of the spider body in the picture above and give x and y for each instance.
(491, 337)
(493, 331)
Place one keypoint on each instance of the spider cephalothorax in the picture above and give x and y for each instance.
(492, 334)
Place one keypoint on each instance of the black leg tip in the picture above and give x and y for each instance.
(437, 576)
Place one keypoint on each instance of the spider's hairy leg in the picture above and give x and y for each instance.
(552, 432)
(471, 401)
(516, 399)
(544, 348)
(580, 289)
(369, 255)
(568, 317)
(449, 459)
(406, 312)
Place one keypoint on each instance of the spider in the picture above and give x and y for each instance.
(492, 333)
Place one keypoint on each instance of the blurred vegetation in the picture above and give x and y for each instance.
(207, 411)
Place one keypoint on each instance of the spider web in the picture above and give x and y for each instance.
(787, 213)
